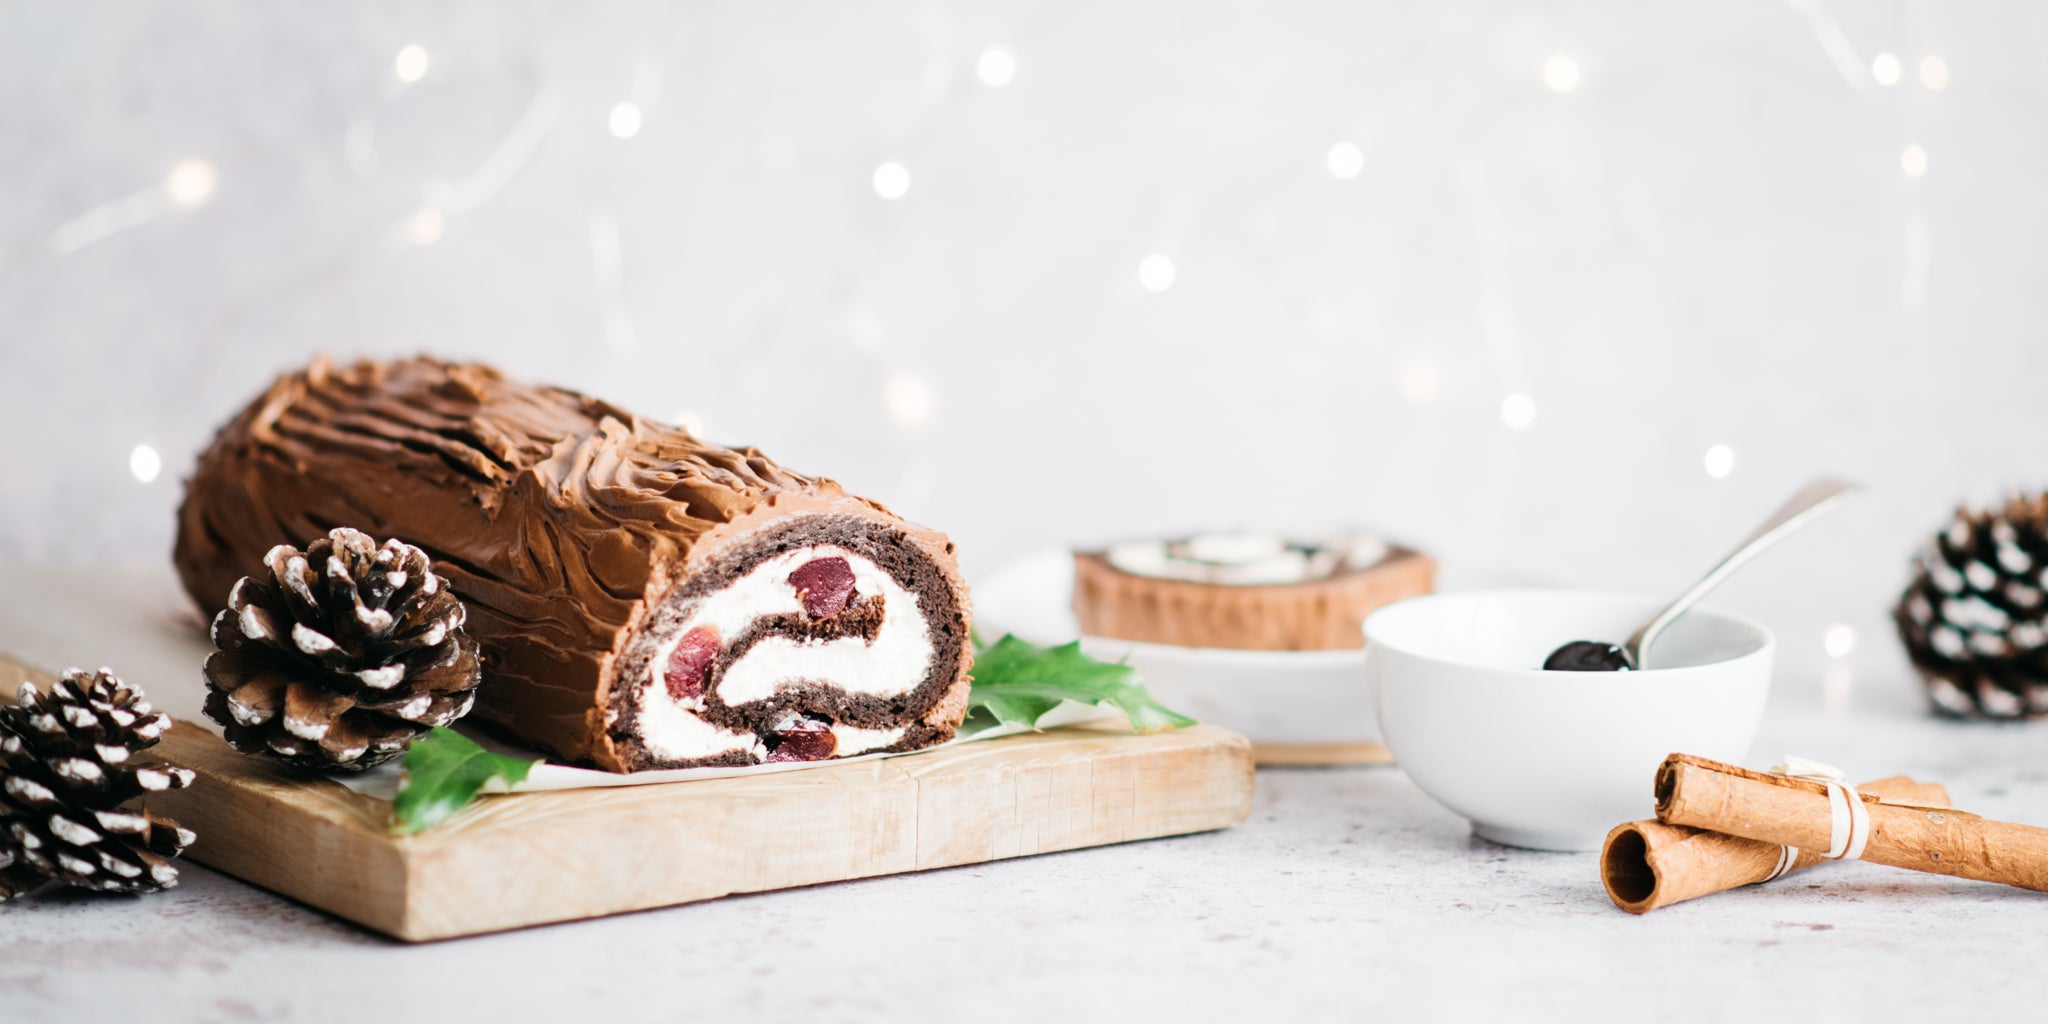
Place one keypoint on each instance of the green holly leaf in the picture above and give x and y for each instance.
(444, 772)
(1019, 683)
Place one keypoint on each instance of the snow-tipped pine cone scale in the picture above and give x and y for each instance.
(643, 599)
(340, 655)
(1974, 619)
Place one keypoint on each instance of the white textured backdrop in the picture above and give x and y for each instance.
(1492, 277)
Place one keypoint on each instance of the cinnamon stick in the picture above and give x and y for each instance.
(1648, 864)
(1699, 793)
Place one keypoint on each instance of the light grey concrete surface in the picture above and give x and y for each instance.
(1348, 895)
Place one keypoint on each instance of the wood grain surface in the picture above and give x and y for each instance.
(1318, 755)
(531, 858)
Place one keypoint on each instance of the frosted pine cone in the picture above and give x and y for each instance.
(1975, 616)
(64, 774)
(341, 656)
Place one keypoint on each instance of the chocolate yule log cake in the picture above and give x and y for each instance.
(643, 599)
(1244, 591)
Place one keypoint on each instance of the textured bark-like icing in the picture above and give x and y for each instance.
(560, 519)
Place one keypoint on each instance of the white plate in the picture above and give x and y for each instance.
(1276, 698)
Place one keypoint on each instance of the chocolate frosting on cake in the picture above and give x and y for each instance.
(566, 524)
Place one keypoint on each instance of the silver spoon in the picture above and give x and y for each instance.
(1813, 501)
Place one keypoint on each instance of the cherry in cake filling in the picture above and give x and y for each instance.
(823, 586)
(810, 653)
(689, 666)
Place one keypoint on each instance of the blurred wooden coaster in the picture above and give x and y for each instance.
(1299, 755)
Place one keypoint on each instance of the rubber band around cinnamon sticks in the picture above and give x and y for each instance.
(1848, 820)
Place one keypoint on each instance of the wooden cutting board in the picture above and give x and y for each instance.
(533, 858)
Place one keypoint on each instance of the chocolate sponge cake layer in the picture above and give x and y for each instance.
(643, 599)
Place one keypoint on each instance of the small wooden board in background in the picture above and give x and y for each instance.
(534, 858)
(1321, 755)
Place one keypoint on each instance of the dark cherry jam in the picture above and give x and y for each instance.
(1588, 656)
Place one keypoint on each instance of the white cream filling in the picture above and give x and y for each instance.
(855, 740)
(677, 733)
(893, 665)
(848, 740)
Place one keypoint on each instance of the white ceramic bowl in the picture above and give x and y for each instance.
(1552, 760)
